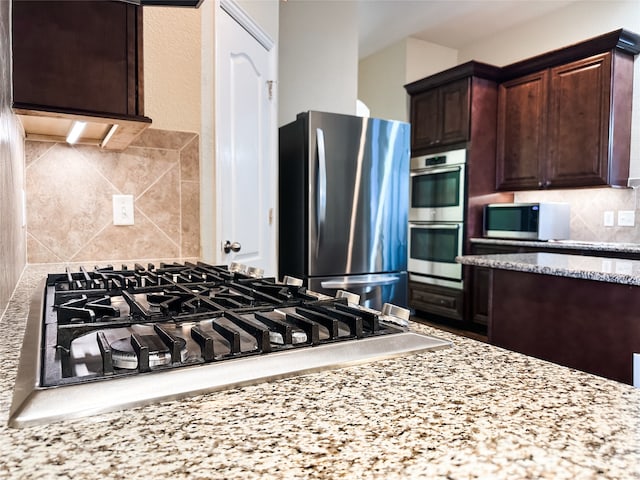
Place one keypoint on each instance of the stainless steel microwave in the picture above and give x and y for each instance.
(527, 221)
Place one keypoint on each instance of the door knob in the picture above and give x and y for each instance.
(231, 247)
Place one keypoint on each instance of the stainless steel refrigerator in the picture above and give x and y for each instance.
(343, 205)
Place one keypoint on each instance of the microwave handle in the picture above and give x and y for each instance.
(430, 171)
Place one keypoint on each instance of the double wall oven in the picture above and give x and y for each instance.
(436, 218)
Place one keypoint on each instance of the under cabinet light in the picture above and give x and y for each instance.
(75, 132)
(109, 134)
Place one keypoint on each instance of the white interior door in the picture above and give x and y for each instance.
(245, 147)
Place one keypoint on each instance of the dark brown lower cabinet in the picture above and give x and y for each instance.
(477, 279)
(480, 298)
(436, 300)
(584, 324)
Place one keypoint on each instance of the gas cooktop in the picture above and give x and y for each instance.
(105, 339)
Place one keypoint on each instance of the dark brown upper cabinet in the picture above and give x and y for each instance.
(444, 106)
(522, 108)
(568, 125)
(79, 60)
(440, 116)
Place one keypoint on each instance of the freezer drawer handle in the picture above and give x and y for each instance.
(359, 282)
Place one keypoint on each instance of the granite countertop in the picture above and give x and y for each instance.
(563, 244)
(470, 411)
(601, 269)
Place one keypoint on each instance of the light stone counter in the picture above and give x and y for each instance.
(611, 247)
(471, 411)
(602, 269)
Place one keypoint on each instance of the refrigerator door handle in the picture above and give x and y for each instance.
(321, 204)
(359, 282)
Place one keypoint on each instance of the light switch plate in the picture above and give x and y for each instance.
(626, 218)
(608, 218)
(123, 210)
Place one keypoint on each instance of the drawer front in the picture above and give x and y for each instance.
(446, 302)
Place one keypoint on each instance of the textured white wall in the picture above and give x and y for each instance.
(426, 58)
(381, 77)
(318, 58)
(172, 67)
(264, 13)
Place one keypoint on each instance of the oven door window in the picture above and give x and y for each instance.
(435, 244)
(432, 190)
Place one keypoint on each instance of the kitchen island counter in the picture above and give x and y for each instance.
(575, 310)
(471, 411)
(611, 248)
(603, 269)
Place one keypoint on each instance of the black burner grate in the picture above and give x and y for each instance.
(105, 322)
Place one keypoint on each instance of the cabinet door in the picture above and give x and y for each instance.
(521, 131)
(454, 117)
(425, 124)
(77, 56)
(481, 278)
(440, 116)
(578, 148)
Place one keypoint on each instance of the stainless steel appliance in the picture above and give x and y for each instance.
(433, 248)
(438, 187)
(344, 194)
(527, 221)
(106, 339)
(436, 218)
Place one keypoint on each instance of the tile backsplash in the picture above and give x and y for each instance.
(69, 200)
(587, 211)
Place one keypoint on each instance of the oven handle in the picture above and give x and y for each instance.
(449, 226)
(321, 203)
(430, 171)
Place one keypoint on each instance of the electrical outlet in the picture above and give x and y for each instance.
(123, 209)
(608, 218)
(626, 218)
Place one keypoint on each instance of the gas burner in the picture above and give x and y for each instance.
(125, 351)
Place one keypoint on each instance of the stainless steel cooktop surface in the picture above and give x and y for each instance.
(107, 339)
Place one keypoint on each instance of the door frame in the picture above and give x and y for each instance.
(210, 198)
